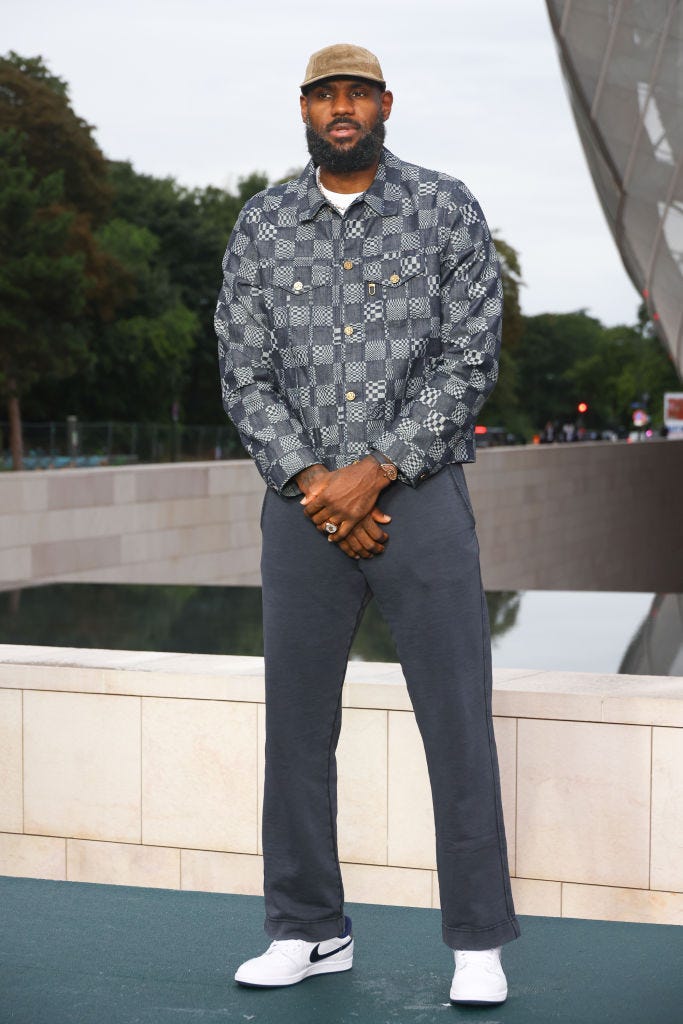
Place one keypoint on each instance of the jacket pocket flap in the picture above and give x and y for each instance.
(394, 269)
(298, 278)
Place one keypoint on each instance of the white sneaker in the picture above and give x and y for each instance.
(479, 977)
(287, 961)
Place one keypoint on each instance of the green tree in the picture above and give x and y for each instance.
(42, 283)
(36, 103)
(567, 358)
(141, 357)
(503, 408)
(550, 345)
(192, 227)
(627, 365)
(57, 279)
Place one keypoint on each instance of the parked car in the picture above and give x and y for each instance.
(490, 437)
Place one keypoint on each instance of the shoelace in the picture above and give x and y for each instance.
(284, 946)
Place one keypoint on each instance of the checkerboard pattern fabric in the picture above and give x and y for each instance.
(379, 329)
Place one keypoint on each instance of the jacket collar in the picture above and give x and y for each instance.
(383, 196)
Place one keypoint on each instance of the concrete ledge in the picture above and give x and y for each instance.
(146, 768)
(518, 693)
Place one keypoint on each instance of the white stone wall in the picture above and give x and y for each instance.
(576, 517)
(146, 769)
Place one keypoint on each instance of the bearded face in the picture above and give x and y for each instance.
(344, 121)
(342, 157)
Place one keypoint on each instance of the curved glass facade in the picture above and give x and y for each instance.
(623, 63)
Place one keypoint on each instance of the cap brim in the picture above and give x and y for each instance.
(344, 74)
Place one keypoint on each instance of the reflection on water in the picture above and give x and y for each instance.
(206, 620)
(596, 632)
(657, 647)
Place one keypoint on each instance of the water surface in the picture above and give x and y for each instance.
(563, 630)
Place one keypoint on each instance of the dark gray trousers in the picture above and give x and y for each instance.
(428, 587)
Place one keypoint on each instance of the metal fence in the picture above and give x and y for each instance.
(70, 442)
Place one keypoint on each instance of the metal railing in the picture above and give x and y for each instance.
(56, 444)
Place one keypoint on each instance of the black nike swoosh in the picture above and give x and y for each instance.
(315, 955)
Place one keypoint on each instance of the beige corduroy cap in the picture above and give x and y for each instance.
(343, 59)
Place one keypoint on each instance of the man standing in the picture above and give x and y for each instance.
(359, 329)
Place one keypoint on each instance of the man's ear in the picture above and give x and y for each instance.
(387, 103)
(304, 108)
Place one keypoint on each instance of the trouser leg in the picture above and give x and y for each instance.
(313, 600)
(428, 587)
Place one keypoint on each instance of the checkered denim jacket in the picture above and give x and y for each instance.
(376, 330)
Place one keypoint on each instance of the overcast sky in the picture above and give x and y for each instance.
(207, 91)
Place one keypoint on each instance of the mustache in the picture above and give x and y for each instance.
(341, 120)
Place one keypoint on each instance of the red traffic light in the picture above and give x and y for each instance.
(582, 407)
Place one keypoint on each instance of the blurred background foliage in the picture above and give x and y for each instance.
(109, 278)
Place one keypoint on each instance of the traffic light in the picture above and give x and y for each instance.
(582, 407)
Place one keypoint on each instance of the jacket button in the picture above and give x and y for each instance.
(350, 395)
(348, 330)
(394, 279)
(297, 286)
(348, 265)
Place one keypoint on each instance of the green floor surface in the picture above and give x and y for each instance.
(73, 953)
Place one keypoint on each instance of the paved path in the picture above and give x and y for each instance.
(72, 953)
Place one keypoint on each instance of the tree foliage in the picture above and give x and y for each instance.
(36, 104)
(192, 227)
(503, 407)
(52, 189)
(567, 358)
(42, 282)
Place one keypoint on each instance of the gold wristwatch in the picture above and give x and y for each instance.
(388, 468)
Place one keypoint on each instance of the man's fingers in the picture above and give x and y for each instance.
(368, 543)
(379, 516)
(343, 530)
(313, 510)
(355, 545)
(364, 540)
(374, 530)
(348, 550)
(323, 516)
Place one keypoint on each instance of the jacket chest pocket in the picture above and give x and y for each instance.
(303, 325)
(302, 295)
(397, 300)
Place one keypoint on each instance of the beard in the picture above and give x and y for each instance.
(340, 160)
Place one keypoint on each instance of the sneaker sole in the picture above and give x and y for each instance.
(478, 1002)
(309, 972)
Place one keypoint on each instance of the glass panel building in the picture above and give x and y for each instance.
(623, 64)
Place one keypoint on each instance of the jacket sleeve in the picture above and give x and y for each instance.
(273, 437)
(426, 432)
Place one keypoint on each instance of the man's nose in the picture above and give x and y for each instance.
(342, 104)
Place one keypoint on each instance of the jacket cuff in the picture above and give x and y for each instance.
(410, 461)
(281, 472)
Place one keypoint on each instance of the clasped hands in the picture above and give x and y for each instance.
(348, 498)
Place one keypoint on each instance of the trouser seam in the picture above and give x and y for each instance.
(496, 790)
(333, 843)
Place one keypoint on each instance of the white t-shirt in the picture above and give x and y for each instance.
(340, 200)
